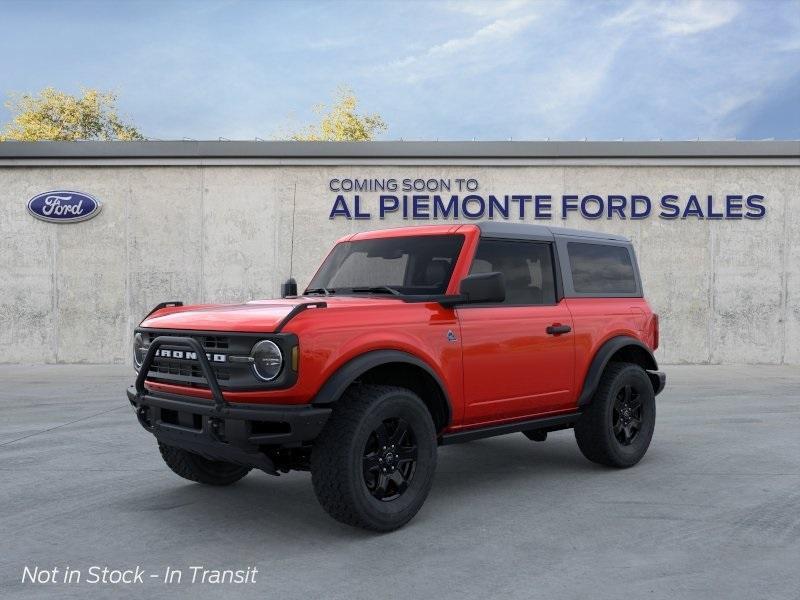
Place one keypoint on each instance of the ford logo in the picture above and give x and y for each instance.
(64, 206)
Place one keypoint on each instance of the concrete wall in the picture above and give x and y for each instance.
(727, 291)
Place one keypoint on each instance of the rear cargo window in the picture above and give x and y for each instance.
(601, 269)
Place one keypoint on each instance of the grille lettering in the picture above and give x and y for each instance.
(186, 355)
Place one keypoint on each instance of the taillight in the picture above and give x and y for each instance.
(656, 333)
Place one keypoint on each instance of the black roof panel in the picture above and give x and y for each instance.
(541, 232)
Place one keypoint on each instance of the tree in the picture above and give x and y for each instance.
(58, 116)
(341, 123)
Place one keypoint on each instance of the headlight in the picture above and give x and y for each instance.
(139, 350)
(267, 360)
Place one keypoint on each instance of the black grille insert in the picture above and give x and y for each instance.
(185, 368)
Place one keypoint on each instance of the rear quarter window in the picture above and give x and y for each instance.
(601, 269)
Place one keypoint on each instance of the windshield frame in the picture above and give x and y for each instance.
(321, 276)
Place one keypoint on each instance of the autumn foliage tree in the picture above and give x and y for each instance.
(341, 123)
(58, 116)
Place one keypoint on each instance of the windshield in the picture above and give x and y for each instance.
(409, 265)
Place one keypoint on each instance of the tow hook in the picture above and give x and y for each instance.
(215, 428)
(143, 414)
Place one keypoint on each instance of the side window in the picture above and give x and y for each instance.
(601, 269)
(527, 268)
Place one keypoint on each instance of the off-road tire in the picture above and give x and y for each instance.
(338, 470)
(196, 468)
(594, 431)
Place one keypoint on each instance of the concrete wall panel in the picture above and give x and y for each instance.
(91, 268)
(748, 290)
(241, 227)
(791, 235)
(164, 237)
(27, 271)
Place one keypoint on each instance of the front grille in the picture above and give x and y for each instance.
(230, 375)
(187, 372)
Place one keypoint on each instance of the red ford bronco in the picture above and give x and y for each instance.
(404, 340)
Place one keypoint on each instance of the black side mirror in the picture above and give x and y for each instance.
(480, 288)
(289, 288)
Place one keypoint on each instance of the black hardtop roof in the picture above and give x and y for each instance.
(528, 231)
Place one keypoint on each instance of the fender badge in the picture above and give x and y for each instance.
(451, 337)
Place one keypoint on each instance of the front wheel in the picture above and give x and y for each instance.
(373, 464)
(617, 427)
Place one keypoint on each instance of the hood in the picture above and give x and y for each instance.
(258, 316)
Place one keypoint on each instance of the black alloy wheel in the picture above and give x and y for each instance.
(627, 415)
(616, 427)
(390, 459)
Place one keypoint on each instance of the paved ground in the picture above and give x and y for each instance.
(713, 511)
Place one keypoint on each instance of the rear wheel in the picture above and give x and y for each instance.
(202, 470)
(617, 427)
(373, 464)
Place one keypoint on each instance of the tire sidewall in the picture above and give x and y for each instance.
(630, 455)
(407, 406)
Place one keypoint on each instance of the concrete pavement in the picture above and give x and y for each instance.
(713, 511)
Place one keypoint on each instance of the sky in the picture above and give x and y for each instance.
(460, 70)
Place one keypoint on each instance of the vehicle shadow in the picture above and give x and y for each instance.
(286, 505)
(470, 468)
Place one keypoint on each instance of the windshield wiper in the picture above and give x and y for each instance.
(375, 290)
(320, 290)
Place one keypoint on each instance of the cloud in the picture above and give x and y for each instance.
(687, 17)
(789, 45)
(562, 92)
(481, 48)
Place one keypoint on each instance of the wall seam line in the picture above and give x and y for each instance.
(56, 315)
(712, 306)
(54, 296)
(784, 277)
(128, 303)
(202, 235)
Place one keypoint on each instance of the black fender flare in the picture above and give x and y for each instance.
(335, 386)
(603, 356)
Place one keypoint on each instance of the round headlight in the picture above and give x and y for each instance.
(267, 360)
(139, 350)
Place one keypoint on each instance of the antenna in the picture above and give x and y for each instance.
(290, 287)
(291, 247)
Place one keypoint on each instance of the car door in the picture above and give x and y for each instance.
(518, 355)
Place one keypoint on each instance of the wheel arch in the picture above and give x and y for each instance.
(392, 367)
(621, 348)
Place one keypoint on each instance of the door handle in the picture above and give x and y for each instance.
(557, 329)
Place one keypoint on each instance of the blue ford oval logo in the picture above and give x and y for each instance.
(63, 206)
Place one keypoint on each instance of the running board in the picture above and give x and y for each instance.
(543, 423)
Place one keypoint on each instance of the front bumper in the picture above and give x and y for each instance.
(218, 430)
(234, 433)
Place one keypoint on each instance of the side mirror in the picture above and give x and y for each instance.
(289, 288)
(480, 288)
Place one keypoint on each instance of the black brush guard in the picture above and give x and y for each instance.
(218, 430)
